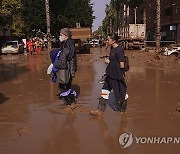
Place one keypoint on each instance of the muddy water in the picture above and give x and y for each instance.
(33, 120)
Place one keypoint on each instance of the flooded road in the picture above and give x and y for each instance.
(32, 120)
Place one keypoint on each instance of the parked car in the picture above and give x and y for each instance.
(94, 43)
(174, 50)
(13, 47)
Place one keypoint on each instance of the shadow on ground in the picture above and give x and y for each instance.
(3, 98)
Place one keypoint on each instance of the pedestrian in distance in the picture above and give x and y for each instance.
(30, 46)
(100, 43)
(115, 79)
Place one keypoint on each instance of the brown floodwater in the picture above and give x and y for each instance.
(33, 119)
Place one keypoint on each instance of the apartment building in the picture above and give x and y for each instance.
(170, 19)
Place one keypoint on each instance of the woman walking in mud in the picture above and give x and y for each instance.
(67, 58)
(115, 78)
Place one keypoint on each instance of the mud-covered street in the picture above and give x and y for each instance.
(33, 120)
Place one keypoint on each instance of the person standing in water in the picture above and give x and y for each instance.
(115, 79)
(66, 56)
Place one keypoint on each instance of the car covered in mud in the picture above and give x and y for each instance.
(94, 43)
(169, 51)
(12, 47)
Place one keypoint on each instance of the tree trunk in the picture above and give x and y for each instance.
(110, 25)
(48, 24)
(144, 21)
(158, 24)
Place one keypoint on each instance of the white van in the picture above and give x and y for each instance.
(12, 47)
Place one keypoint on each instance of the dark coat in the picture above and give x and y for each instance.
(70, 44)
(68, 54)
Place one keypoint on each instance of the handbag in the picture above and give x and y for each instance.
(63, 76)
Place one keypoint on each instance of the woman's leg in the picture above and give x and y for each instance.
(67, 93)
(65, 87)
(119, 88)
(116, 89)
(62, 88)
(103, 99)
(123, 90)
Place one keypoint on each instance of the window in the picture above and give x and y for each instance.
(177, 10)
(149, 6)
(168, 11)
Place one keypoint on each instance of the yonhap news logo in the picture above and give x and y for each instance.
(126, 140)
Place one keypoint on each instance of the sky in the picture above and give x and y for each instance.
(99, 12)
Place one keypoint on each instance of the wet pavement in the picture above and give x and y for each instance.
(33, 119)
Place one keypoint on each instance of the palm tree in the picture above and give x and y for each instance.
(118, 6)
(48, 24)
(109, 14)
(158, 24)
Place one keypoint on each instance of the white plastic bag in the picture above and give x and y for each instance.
(49, 70)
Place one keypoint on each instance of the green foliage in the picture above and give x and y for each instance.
(10, 7)
(132, 3)
(99, 33)
(26, 16)
(63, 13)
(111, 14)
(113, 11)
(77, 11)
(12, 17)
(17, 26)
(117, 3)
(34, 15)
(135, 3)
(56, 8)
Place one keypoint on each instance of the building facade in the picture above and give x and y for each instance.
(170, 19)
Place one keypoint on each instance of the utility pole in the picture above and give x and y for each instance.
(48, 25)
(158, 24)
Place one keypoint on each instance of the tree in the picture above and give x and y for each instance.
(114, 11)
(109, 22)
(13, 19)
(57, 14)
(134, 3)
(48, 25)
(63, 13)
(98, 33)
(117, 5)
(78, 11)
(28, 16)
(34, 15)
(158, 24)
